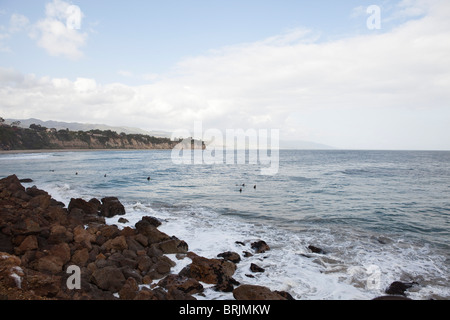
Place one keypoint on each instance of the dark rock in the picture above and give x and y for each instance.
(109, 278)
(26, 180)
(391, 298)
(146, 228)
(399, 288)
(316, 249)
(150, 220)
(256, 268)
(34, 191)
(230, 256)
(184, 284)
(285, 295)
(240, 243)
(247, 254)
(212, 271)
(122, 220)
(86, 207)
(129, 290)
(260, 246)
(251, 292)
(173, 246)
(111, 207)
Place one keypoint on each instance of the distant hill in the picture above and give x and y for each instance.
(75, 126)
(303, 145)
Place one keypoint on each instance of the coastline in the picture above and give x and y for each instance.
(69, 150)
(50, 251)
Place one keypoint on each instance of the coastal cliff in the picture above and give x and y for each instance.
(37, 137)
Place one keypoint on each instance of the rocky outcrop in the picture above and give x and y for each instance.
(42, 242)
(251, 292)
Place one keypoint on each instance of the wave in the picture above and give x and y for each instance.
(352, 258)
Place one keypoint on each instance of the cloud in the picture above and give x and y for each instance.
(369, 90)
(55, 34)
(17, 23)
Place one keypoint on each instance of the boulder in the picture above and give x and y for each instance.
(118, 243)
(230, 256)
(260, 246)
(111, 207)
(252, 292)
(109, 278)
(129, 290)
(184, 284)
(212, 271)
(399, 288)
(173, 246)
(86, 207)
(147, 229)
(256, 268)
(29, 243)
(315, 249)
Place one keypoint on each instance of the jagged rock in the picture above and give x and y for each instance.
(252, 292)
(230, 256)
(184, 284)
(109, 278)
(260, 246)
(315, 249)
(212, 271)
(111, 207)
(129, 290)
(173, 246)
(147, 229)
(86, 207)
(399, 288)
(256, 268)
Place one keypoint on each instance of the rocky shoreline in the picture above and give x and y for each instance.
(41, 241)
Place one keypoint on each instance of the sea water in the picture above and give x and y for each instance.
(379, 216)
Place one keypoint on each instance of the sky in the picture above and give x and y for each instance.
(348, 74)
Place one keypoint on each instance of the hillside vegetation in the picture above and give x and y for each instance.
(38, 137)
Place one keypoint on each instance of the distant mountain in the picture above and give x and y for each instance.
(75, 126)
(303, 145)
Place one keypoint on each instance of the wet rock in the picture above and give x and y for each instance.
(391, 298)
(26, 180)
(260, 246)
(315, 249)
(399, 288)
(230, 256)
(86, 207)
(173, 246)
(147, 229)
(212, 271)
(256, 268)
(252, 292)
(184, 284)
(111, 207)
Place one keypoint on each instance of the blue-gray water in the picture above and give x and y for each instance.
(388, 209)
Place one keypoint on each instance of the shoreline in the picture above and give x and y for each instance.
(68, 150)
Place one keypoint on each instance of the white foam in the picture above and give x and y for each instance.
(343, 273)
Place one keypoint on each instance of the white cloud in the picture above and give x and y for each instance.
(365, 91)
(17, 23)
(54, 35)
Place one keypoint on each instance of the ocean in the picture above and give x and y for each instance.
(379, 216)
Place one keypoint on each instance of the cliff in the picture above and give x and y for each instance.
(38, 137)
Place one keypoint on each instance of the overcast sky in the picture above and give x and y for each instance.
(316, 70)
